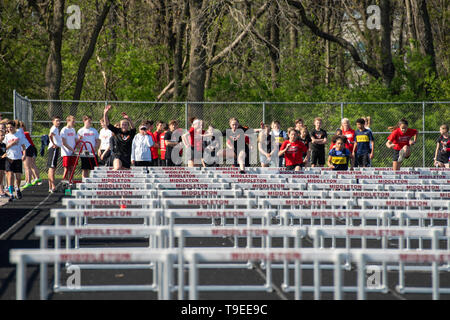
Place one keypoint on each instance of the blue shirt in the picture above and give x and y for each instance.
(339, 158)
(363, 139)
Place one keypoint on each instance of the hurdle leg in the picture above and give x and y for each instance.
(338, 278)
(435, 280)
(43, 272)
(317, 280)
(21, 280)
(181, 268)
(193, 278)
(298, 280)
(361, 277)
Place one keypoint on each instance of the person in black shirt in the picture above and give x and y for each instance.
(241, 156)
(442, 153)
(306, 139)
(319, 139)
(124, 140)
(171, 143)
(2, 163)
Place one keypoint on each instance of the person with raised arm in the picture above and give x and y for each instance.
(124, 139)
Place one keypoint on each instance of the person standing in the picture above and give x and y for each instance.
(90, 137)
(171, 143)
(318, 141)
(69, 141)
(54, 146)
(364, 145)
(104, 151)
(442, 153)
(124, 136)
(15, 154)
(141, 154)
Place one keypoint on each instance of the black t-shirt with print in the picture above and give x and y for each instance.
(318, 134)
(124, 141)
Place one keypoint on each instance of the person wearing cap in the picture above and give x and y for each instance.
(141, 154)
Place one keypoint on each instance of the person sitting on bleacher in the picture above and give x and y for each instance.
(339, 157)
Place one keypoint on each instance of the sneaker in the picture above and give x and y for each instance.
(401, 156)
(52, 191)
(37, 181)
(11, 199)
(242, 171)
(26, 185)
(18, 194)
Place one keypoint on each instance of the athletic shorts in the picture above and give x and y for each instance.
(143, 163)
(290, 168)
(395, 155)
(2, 164)
(13, 166)
(443, 158)
(363, 160)
(126, 162)
(69, 161)
(318, 157)
(31, 151)
(87, 163)
(53, 156)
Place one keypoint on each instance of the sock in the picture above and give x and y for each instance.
(11, 189)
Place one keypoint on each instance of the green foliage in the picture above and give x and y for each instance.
(137, 70)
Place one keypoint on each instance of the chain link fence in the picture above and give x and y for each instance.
(423, 116)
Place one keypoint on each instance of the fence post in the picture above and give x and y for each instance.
(264, 112)
(14, 104)
(423, 134)
(186, 115)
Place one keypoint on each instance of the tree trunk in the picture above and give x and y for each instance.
(53, 70)
(388, 69)
(412, 37)
(273, 34)
(87, 56)
(178, 55)
(197, 57)
(425, 32)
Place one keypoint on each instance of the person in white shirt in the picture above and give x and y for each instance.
(15, 153)
(104, 152)
(69, 142)
(90, 136)
(53, 152)
(141, 155)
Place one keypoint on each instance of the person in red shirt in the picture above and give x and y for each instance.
(349, 133)
(339, 135)
(400, 141)
(193, 140)
(154, 149)
(293, 150)
(157, 135)
(162, 144)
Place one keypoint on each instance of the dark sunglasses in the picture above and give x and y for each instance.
(142, 128)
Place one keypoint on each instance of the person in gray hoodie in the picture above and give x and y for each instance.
(141, 155)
